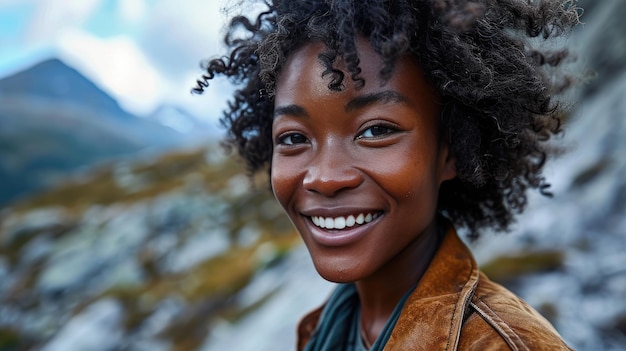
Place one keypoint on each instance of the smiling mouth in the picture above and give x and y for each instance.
(344, 222)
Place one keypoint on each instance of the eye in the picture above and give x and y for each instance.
(376, 131)
(292, 139)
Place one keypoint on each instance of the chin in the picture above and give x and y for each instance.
(337, 278)
(337, 270)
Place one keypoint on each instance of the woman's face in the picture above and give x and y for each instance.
(358, 171)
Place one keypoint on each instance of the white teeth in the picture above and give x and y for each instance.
(329, 223)
(340, 223)
(343, 222)
(350, 221)
(359, 219)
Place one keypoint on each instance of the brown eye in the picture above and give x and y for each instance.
(376, 131)
(292, 139)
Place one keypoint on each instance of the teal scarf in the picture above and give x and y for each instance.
(334, 327)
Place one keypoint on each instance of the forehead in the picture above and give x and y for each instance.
(304, 65)
(304, 77)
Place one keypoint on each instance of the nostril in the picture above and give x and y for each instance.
(331, 169)
(331, 181)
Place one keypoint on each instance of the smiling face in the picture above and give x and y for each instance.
(358, 171)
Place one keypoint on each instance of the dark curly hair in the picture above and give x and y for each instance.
(481, 56)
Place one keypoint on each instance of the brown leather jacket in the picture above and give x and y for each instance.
(456, 307)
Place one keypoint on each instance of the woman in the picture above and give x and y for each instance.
(386, 125)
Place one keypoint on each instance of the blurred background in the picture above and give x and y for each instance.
(124, 225)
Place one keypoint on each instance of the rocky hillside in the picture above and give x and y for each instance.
(144, 255)
(566, 256)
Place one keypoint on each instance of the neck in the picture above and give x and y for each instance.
(379, 294)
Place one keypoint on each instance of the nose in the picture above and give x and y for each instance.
(332, 171)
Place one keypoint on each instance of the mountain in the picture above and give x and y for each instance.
(180, 119)
(54, 120)
(52, 79)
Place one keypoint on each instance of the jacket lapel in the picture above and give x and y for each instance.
(433, 314)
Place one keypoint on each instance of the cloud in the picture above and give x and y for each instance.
(52, 17)
(157, 59)
(121, 69)
(117, 65)
(132, 11)
(208, 106)
(178, 35)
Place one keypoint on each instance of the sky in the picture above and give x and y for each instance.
(142, 52)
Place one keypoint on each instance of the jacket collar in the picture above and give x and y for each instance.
(433, 314)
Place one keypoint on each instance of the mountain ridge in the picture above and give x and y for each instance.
(54, 79)
(54, 120)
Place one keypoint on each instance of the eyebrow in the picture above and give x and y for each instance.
(356, 103)
(291, 110)
(384, 97)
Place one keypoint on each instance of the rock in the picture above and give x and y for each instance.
(97, 328)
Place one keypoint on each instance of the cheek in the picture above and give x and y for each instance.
(411, 179)
(283, 181)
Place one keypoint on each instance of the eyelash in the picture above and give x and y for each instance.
(387, 127)
(282, 139)
(286, 139)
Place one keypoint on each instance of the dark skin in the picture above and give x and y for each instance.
(374, 151)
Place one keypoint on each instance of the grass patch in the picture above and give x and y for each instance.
(101, 187)
(506, 269)
(9, 339)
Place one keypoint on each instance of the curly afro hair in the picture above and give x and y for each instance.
(482, 57)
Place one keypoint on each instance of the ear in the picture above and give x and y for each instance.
(447, 161)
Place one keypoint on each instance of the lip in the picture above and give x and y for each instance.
(339, 237)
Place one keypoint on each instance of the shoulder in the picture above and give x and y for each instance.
(307, 326)
(497, 319)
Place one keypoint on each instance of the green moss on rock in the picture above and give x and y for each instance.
(505, 269)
